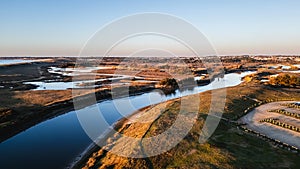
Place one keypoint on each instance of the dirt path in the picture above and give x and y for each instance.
(284, 135)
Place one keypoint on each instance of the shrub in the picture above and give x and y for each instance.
(281, 124)
(285, 80)
(169, 82)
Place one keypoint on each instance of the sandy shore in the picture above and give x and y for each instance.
(93, 147)
(284, 135)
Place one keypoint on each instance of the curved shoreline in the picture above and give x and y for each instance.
(62, 105)
(56, 109)
(107, 133)
(80, 159)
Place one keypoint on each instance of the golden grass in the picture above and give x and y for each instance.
(225, 149)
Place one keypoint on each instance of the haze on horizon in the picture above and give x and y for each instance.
(234, 27)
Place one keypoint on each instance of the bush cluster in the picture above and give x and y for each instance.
(277, 142)
(169, 82)
(293, 105)
(284, 112)
(285, 80)
(281, 124)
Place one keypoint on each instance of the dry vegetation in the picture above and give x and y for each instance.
(275, 121)
(229, 147)
(285, 80)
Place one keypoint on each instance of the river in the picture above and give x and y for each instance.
(55, 143)
(4, 62)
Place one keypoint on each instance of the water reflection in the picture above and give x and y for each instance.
(61, 139)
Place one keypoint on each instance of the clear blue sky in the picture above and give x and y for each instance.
(61, 27)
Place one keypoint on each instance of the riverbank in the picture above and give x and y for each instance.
(46, 104)
(63, 130)
(78, 162)
(231, 147)
(22, 108)
(41, 105)
(49, 104)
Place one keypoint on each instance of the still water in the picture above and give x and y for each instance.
(55, 143)
(14, 61)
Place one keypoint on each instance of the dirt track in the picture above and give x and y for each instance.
(284, 135)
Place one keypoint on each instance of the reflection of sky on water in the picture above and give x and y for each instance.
(14, 61)
(61, 139)
(81, 83)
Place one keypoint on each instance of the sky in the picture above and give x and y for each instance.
(233, 27)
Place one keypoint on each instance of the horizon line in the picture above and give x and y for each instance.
(286, 55)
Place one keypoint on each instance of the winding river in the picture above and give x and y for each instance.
(55, 143)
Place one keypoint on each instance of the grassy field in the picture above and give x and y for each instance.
(228, 147)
